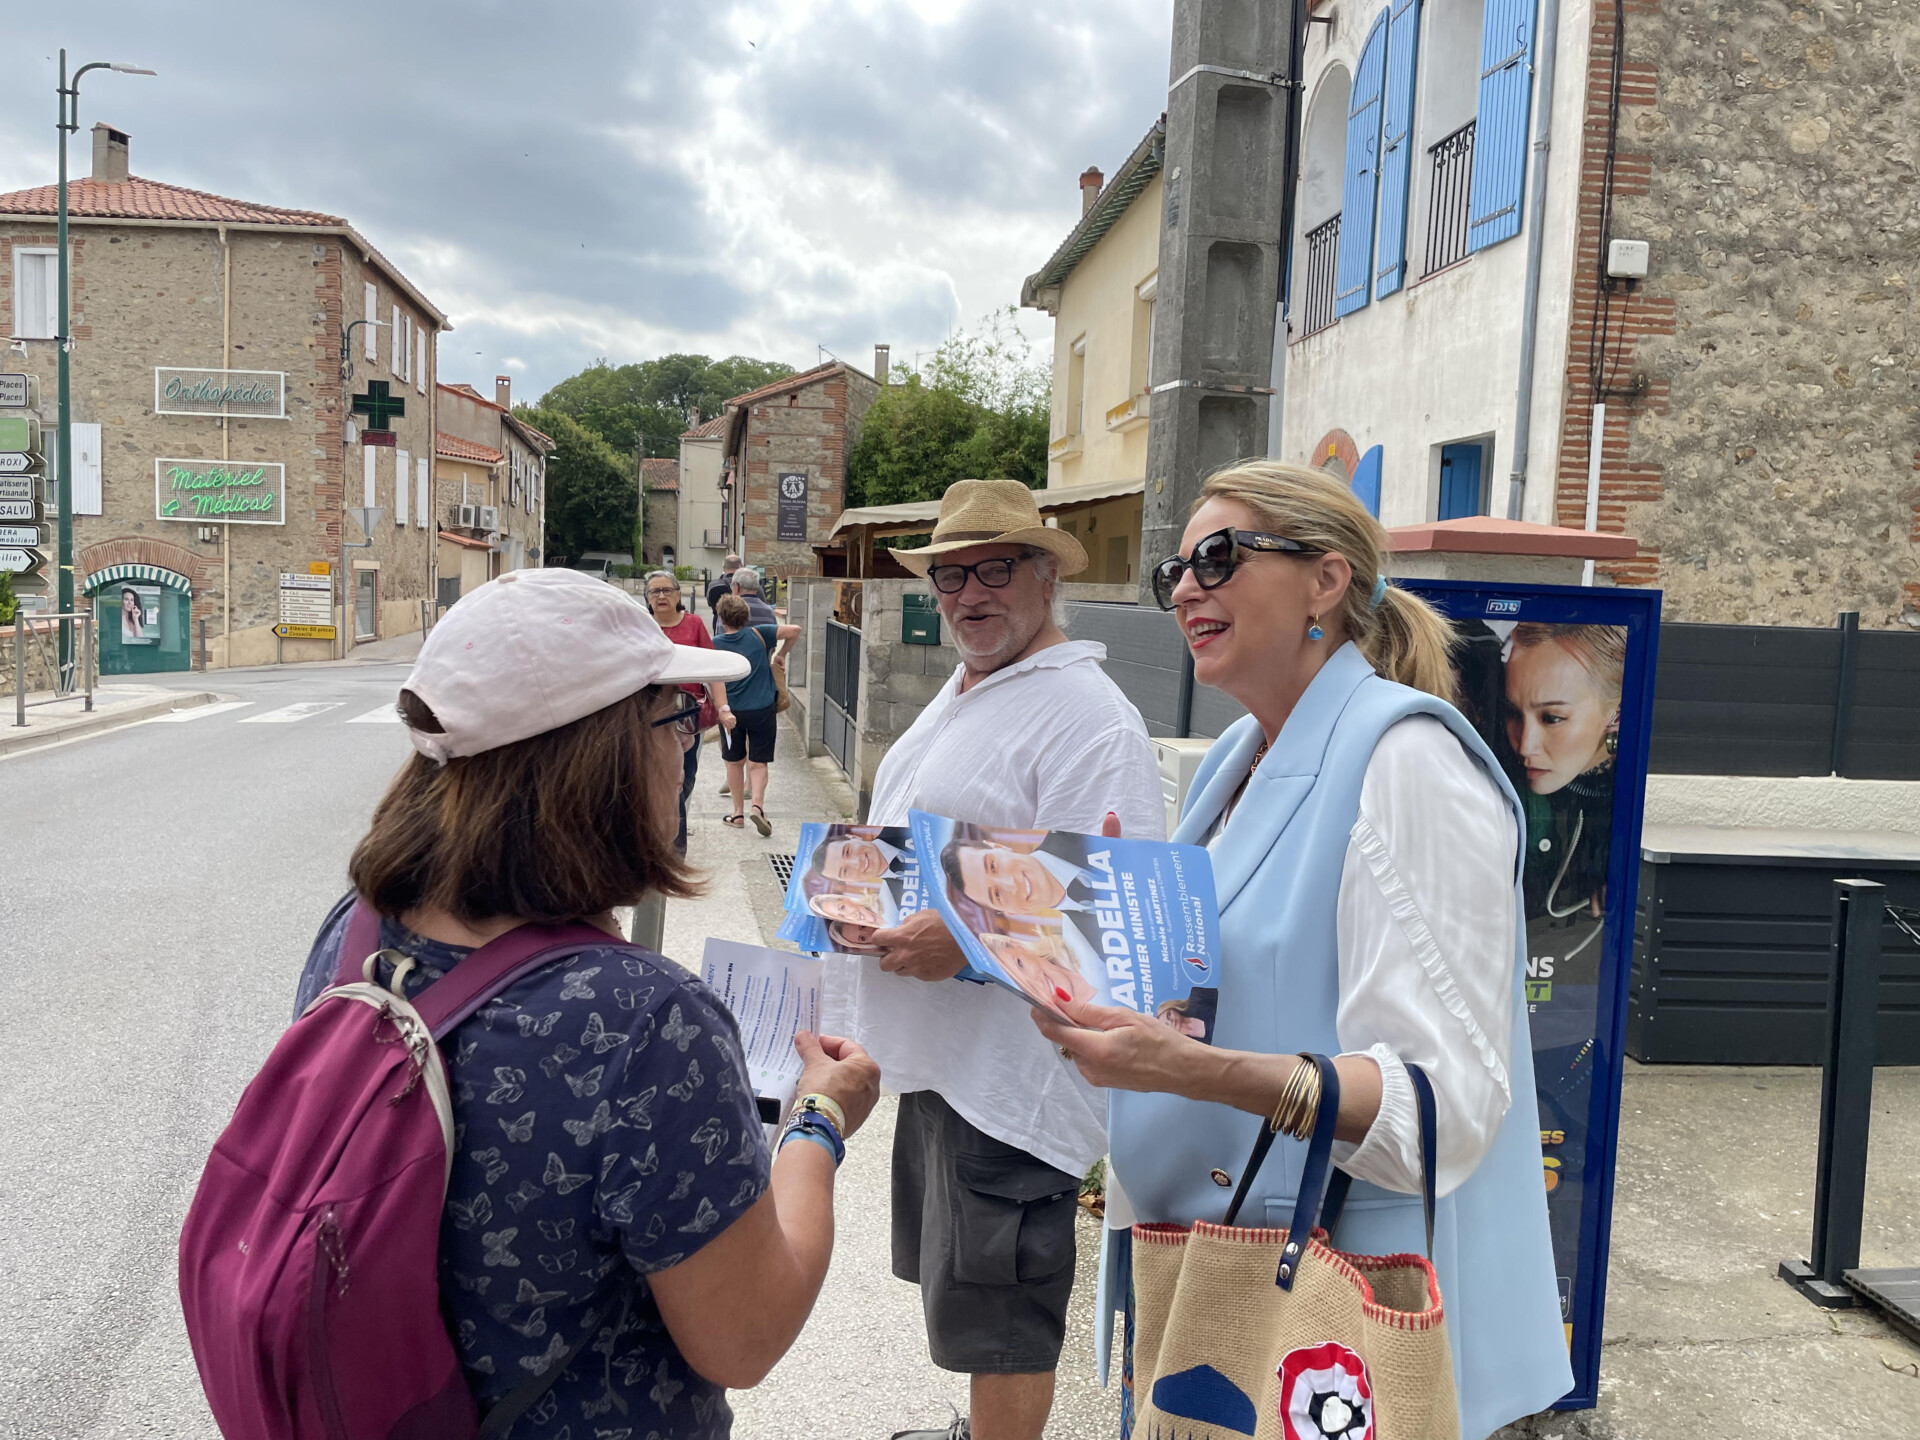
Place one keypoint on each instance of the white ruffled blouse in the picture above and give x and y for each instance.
(1426, 924)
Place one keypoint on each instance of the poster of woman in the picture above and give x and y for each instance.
(1559, 683)
(139, 614)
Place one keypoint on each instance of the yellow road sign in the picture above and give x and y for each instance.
(304, 632)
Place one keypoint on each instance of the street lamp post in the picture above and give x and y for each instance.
(68, 122)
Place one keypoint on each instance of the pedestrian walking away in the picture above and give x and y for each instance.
(994, 1132)
(721, 584)
(612, 1231)
(748, 747)
(1366, 847)
(683, 627)
(746, 585)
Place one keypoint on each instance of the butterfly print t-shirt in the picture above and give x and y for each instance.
(604, 1130)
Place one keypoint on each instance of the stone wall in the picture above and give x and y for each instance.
(806, 430)
(1765, 443)
(146, 296)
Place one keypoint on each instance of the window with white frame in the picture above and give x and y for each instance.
(36, 293)
(370, 342)
(1143, 310)
(1076, 386)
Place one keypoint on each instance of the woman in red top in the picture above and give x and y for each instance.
(683, 627)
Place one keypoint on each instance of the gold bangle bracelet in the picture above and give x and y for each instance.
(1286, 1111)
(1309, 1102)
(827, 1106)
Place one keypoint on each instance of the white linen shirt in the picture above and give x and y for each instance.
(1425, 923)
(1048, 743)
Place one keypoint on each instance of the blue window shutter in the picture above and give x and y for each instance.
(1366, 481)
(1396, 146)
(1353, 272)
(1500, 130)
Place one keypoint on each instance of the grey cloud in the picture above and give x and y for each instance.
(540, 146)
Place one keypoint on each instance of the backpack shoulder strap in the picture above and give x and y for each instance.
(360, 941)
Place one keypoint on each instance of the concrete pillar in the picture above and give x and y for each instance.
(1224, 187)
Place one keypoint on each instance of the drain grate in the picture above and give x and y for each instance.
(782, 869)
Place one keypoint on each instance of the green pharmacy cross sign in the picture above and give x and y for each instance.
(379, 407)
(218, 490)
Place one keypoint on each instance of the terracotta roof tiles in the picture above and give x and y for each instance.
(452, 447)
(659, 474)
(137, 199)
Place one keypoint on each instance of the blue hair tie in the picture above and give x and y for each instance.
(1379, 591)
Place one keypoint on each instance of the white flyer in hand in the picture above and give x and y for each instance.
(772, 994)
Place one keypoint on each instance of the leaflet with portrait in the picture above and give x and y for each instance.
(1057, 917)
(849, 881)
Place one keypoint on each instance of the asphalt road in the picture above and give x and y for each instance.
(163, 884)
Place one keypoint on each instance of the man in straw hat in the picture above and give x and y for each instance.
(994, 1131)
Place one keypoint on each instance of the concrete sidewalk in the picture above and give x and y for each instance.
(1715, 1187)
(52, 719)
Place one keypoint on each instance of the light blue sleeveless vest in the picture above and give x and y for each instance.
(1277, 872)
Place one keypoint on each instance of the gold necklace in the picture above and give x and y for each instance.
(1258, 756)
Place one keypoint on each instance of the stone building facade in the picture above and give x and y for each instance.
(802, 426)
(490, 498)
(659, 512)
(1761, 434)
(186, 304)
(1767, 450)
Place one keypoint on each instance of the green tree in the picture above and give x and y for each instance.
(592, 491)
(641, 409)
(978, 408)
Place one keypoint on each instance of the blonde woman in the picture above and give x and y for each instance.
(1365, 848)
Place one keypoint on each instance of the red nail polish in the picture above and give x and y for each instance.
(1062, 995)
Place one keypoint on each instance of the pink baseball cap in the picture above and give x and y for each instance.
(534, 650)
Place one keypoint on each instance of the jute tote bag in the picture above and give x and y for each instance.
(1243, 1332)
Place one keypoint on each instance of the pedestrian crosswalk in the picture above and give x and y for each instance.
(203, 712)
(293, 714)
(249, 712)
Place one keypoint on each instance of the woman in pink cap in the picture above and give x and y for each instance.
(616, 1232)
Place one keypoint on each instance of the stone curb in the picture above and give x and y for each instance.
(94, 724)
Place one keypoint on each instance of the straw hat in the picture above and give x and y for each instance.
(993, 512)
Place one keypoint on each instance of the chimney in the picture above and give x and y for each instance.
(109, 154)
(503, 391)
(1090, 182)
(880, 360)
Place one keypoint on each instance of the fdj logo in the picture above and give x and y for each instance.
(1503, 607)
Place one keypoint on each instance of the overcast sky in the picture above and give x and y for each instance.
(571, 180)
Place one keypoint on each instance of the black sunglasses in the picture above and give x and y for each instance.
(994, 574)
(1215, 557)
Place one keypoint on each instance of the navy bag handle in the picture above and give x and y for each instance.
(1320, 1201)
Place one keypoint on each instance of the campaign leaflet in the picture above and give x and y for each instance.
(849, 881)
(1057, 916)
(772, 994)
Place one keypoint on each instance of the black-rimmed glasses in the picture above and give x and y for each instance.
(994, 574)
(1215, 557)
(686, 719)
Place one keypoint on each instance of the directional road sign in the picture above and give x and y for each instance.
(21, 561)
(20, 434)
(19, 534)
(304, 632)
(19, 391)
(18, 510)
(17, 464)
(19, 487)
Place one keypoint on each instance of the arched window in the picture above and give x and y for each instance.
(1317, 232)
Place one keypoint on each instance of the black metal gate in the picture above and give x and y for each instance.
(840, 718)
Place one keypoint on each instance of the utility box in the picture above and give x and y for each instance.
(919, 620)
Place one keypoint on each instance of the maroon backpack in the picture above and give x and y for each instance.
(309, 1263)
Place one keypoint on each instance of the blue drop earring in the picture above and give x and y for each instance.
(1314, 632)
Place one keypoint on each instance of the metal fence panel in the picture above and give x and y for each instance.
(1744, 700)
(1885, 739)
